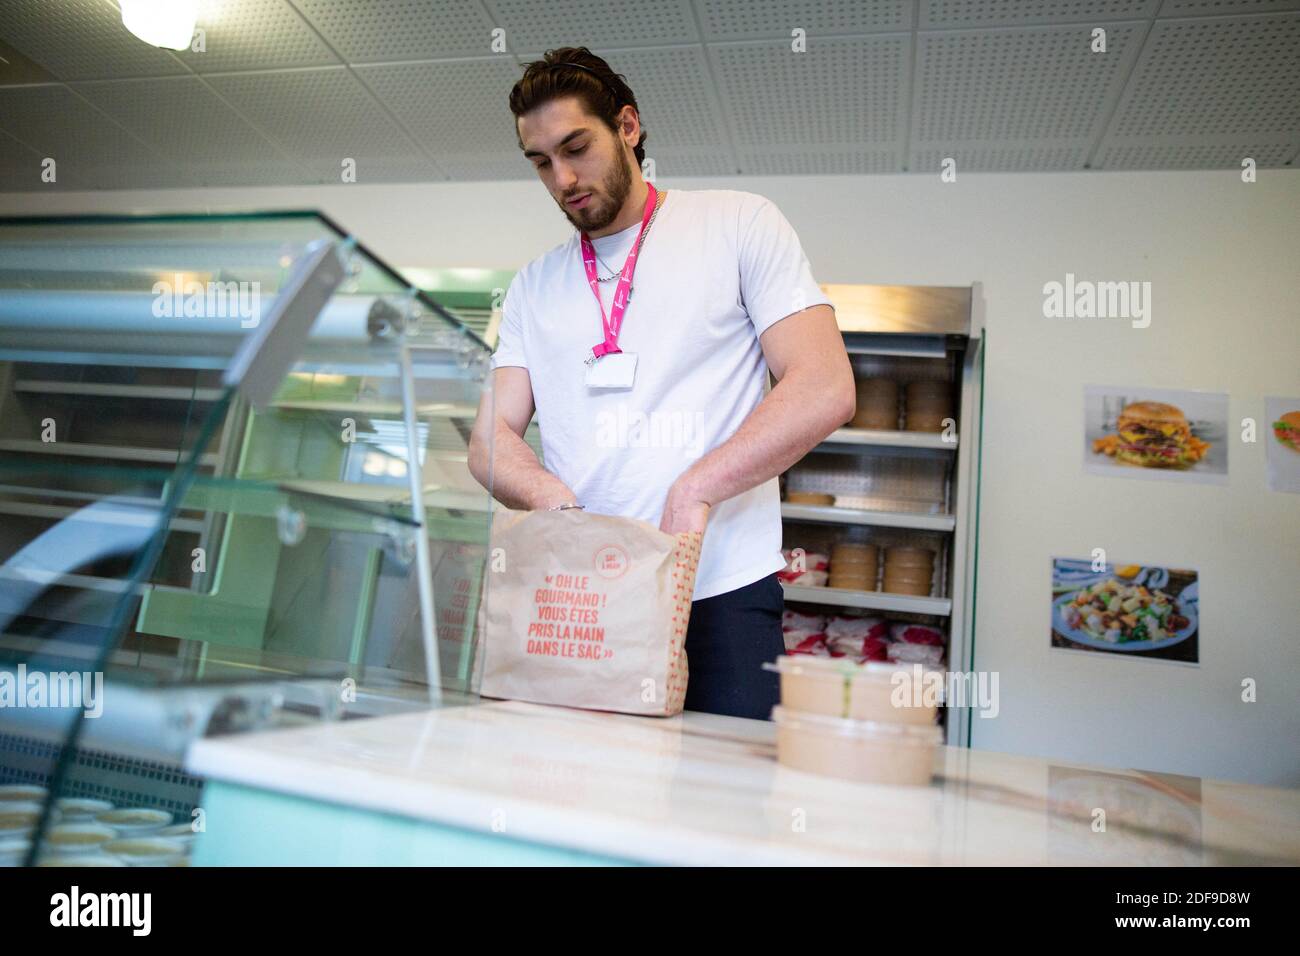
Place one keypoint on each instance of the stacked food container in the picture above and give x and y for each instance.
(869, 722)
(87, 831)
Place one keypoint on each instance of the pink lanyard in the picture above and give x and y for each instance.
(614, 321)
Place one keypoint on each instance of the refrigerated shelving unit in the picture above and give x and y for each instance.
(899, 487)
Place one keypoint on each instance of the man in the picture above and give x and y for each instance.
(666, 417)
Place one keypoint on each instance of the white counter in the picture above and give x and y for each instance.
(702, 789)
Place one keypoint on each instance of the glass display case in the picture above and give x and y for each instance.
(234, 494)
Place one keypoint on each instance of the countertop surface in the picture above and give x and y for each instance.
(704, 789)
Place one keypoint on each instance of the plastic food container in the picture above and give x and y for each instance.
(859, 750)
(96, 860)
(906, 585)
(18, 819)
(134, 820)
(146, 851)
(22, 793)
(82, 808)
(809, 498)
(909, 558)
(14, 851)
(839, 688)
(77, 838)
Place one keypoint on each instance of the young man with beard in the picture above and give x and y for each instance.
(716, 291)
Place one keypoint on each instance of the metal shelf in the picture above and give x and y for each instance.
(874, 600)
(109, 390)
(891, 439)
(34, 509)
(832, 514)
(163, 456)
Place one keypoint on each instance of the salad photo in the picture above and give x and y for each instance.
(1124, 609)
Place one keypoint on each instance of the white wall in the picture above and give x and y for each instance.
(1222, 259)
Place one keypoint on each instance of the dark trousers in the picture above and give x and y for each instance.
(729, 639)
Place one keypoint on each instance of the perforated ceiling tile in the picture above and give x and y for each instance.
(180, 118)
(841, 91)
(1010, 157)
(325, 114)
(1194, 156)
(530, 25)
(753, 19)
(382, 31)
(460, 107)
(61, 125)
(482, 167)
(81, 40)
(1220, 75)
(1033, 83)
(675, 93)
(822, 162)
(20, 165)
(673, 164)
(948, 14)
(254, 35)
(1196, 8)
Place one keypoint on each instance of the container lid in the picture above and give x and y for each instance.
(840, 666)
(911, 734)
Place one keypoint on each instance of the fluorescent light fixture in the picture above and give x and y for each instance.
(165, 23)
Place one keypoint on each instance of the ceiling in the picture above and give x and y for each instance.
(412, 91)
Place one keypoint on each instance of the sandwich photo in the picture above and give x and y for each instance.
(1287, 430)
(1152, 435)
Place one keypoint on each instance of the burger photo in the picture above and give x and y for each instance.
(1287, 430)
(1153, 435)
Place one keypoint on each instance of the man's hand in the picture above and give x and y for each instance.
(685, 510)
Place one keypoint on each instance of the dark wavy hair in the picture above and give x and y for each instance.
(575, 71)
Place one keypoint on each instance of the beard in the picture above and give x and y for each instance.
(600, 212)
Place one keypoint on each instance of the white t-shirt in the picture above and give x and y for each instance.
(716, 270)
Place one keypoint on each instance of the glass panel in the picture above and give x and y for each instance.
(186, 552)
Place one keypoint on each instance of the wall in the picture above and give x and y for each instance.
(1222, 259)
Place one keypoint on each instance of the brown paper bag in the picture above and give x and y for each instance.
(588, 610)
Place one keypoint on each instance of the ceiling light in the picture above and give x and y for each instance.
(165, 23)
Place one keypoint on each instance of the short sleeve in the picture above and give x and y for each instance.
(510, 333)
(775, 278)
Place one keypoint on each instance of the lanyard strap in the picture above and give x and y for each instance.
(614, 321)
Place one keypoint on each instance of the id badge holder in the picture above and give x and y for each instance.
(612, 370)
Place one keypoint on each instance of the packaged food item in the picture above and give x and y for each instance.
(794, 620)
(916, 633)
(863, 751)
(814, 645)
(915, 653)
(814, 569)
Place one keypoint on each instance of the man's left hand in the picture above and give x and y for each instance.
(685, 510)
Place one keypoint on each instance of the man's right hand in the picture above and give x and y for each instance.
(518, 479)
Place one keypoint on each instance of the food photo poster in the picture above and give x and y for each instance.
(1134, 610)
(1283, 438)
(1139, 432)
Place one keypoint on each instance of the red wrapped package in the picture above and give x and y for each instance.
(917, 634)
